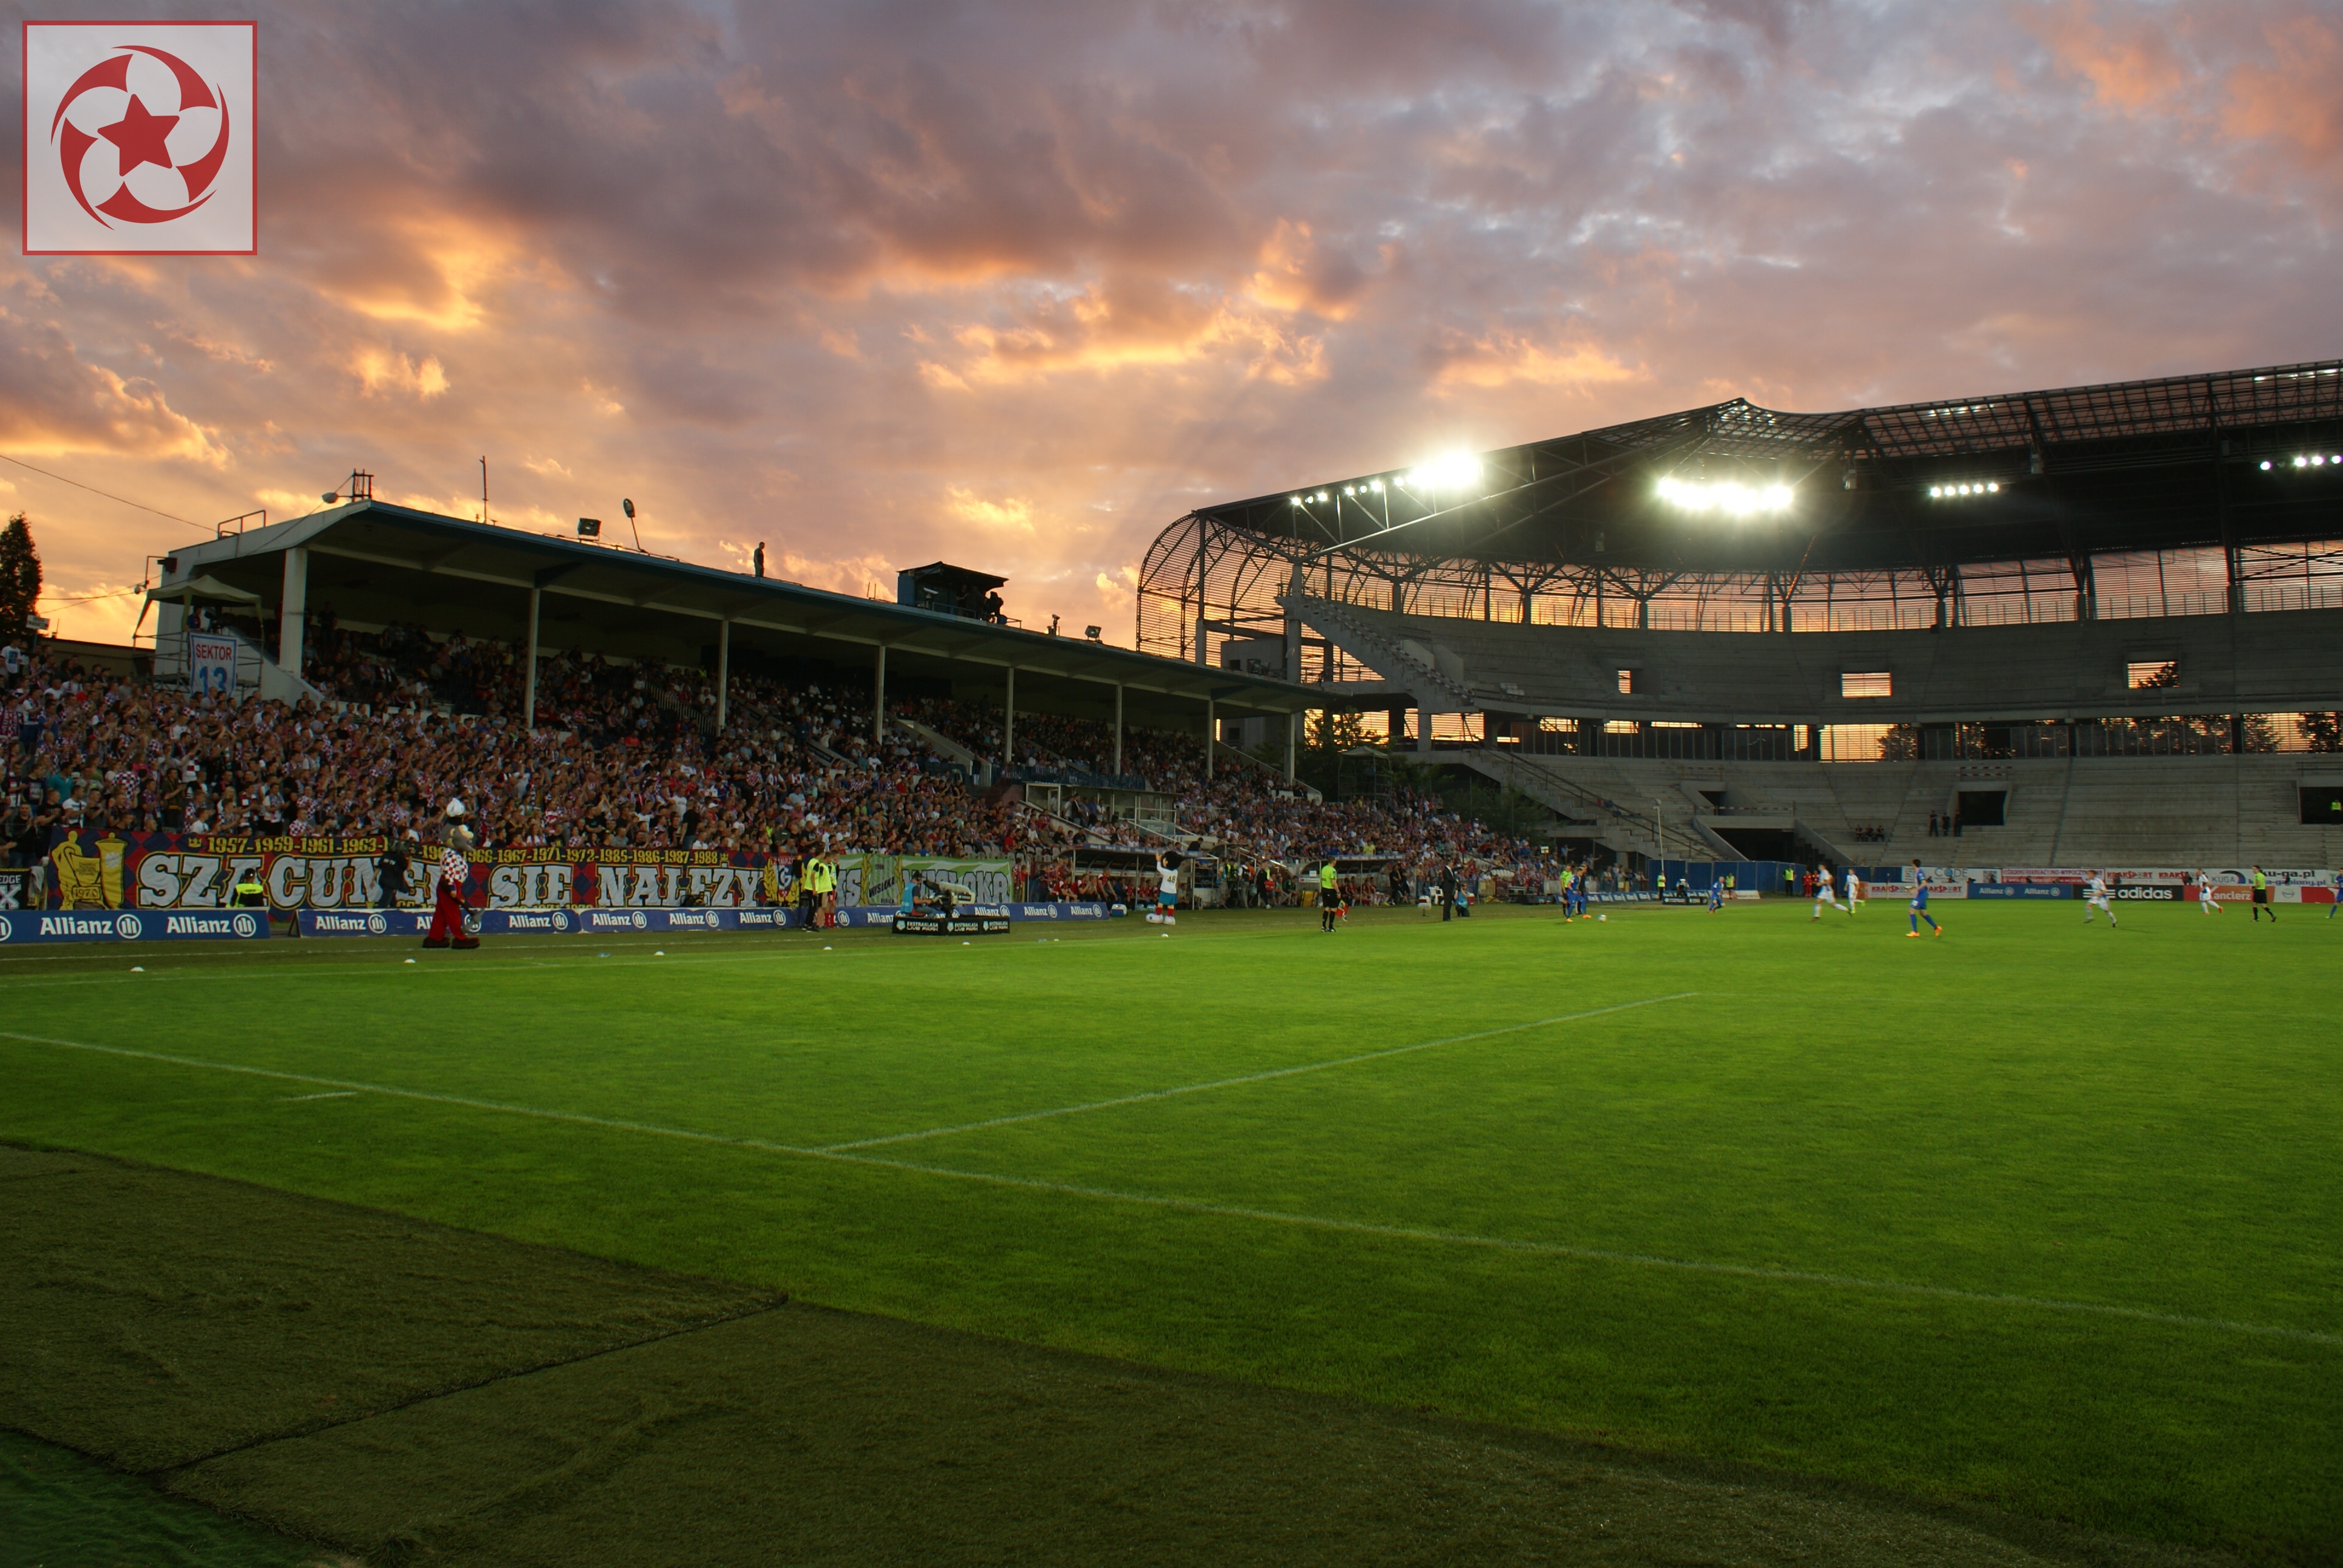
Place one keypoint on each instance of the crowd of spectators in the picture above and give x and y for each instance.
(626, 754)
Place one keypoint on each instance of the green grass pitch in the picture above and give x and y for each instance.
(2034, 1214)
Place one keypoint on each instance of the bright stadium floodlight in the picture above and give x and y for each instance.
(1376, 485)
(2264, 465)
(1451, 471)
(1729, 497)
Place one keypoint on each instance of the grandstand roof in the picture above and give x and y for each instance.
(372, 562)
(2174, 462)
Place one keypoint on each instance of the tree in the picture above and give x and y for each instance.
(2324, 731)
(1901, 743)
(1335, 732)
(20, 578)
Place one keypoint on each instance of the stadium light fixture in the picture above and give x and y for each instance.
(1449, 471)
(1730, 497)
(1376, 485)
(1954, 492)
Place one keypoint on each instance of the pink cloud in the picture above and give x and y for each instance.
(843, 277)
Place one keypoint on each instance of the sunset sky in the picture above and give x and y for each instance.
(1017, 285)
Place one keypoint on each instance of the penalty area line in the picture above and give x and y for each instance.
(1275, 1072)
(1236, 1211)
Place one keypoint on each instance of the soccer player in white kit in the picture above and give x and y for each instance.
(2096, 898)
(1823, 893)
(2205, 899)
(1854, 890)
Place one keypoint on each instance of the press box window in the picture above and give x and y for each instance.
(1626, 683)
(1867, 683)
(2322, 805)
(2147, 674)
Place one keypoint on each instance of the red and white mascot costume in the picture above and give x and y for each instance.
(447, 909)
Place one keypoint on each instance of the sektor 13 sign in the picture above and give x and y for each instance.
(138, 138)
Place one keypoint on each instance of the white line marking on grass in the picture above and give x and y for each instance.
(354, 1086)
(329, 1094)
(1602, 1255)
(1274, 1072)
(1234, 1211)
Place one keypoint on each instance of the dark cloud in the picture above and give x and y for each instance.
(1030, 278)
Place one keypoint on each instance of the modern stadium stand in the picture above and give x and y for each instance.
(2110, 615)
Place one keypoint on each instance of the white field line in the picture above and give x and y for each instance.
(329, 1094)
(1275, 1072)
(1233, 1212)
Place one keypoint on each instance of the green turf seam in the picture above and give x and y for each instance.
(1199, 1206)
(1274, 1072)
(771, 1304)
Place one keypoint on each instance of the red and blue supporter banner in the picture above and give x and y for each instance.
(119, 870)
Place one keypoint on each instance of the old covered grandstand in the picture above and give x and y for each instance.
(605, 708)
(2100, 625)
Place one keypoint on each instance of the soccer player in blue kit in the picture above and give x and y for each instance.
(1920, 904)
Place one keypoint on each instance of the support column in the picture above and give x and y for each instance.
(879, 703)
(1422, 727)
(1117, 769)
(723, 670)
(1009, 721)
(291, 611)
(528, 692)
(1211, 735)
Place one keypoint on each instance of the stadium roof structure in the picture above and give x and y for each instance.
(2180, 462)
(369, 561)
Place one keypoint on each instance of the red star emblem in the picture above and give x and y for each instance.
(138, 137)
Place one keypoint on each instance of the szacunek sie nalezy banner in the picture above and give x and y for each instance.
(119, 870)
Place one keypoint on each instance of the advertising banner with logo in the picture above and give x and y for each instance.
(875, 879)
(652, 922)
(18, 927)
(15, 890)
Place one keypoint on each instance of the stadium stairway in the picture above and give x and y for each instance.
(1431, 669)
(937, 742)
(1610, 816)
